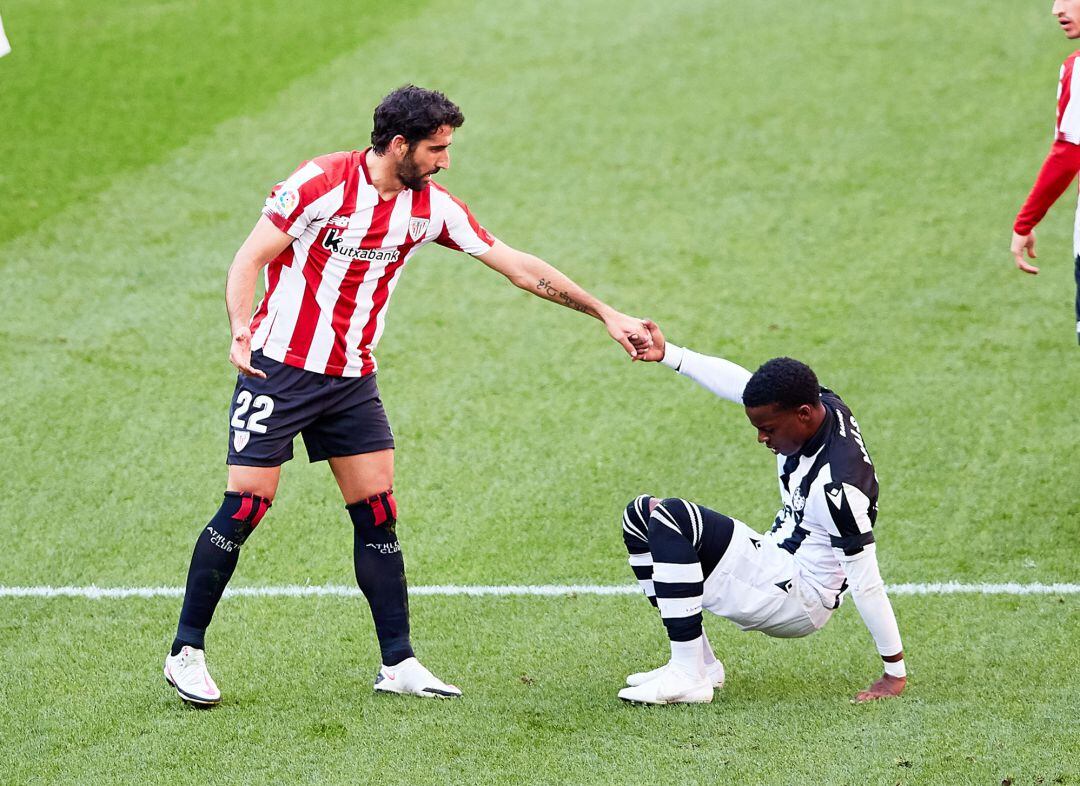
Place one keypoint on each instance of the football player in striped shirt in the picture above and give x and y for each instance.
(787, 581)
(333, 240)
(1062, 164)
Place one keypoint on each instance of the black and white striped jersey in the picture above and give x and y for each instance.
(829, 494)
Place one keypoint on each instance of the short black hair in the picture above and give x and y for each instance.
(413, 112)
(785, 382)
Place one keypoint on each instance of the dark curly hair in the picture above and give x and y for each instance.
(413, 112)
(782, 381)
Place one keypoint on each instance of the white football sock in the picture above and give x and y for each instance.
(710, 657)
(689, 656)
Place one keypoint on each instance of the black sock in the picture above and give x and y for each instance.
(380, 573)
(213, 562)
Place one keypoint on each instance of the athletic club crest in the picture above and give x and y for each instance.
(240, 440)
(418, 228)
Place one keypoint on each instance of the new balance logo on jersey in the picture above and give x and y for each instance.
(418, 227)
(240, 440)
(332, 241)
(338, 221)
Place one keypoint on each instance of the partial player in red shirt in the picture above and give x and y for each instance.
(1063, 162)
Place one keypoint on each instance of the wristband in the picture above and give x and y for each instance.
(673, 355)
(896, 669)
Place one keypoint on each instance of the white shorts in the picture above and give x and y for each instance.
(758, 587)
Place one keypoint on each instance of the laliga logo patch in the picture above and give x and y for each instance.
(240, 440)
(285, 201)
(418, 227)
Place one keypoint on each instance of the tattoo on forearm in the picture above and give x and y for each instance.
(553, 293)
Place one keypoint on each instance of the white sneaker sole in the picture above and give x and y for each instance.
(426, 693)
(702, 699)
(717, 675)
(199, 701)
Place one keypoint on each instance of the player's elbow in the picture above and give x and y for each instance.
(864, 577)
(866, 587)
(245, 261)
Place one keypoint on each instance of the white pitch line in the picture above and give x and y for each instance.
(544, 590)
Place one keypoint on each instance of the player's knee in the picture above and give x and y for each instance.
(635, 523)
(239, 515)
(675, 515)
(375, 518)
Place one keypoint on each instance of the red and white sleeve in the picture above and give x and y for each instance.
(1062, 164)
(300, 199)
(461, 231)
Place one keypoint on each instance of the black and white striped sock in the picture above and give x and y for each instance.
(674, 532)
(635, 524)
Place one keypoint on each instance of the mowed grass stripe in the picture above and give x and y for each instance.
(92, 592)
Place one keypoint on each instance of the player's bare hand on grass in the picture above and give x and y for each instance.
(240, 354)
(886, 687)
(631, 333)
(655, 352)
(1020, 244)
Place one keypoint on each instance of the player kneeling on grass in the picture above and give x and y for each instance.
(785, 582)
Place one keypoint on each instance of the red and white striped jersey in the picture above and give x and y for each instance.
(327, 293)
(1067, 127)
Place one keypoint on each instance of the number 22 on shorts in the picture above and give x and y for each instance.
(260, 408)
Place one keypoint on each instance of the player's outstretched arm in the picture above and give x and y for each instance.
(264, 243)
(720, 377)
(534, 275)
(868, 591)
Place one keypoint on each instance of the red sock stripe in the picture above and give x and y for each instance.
(246, 504)
(252, 509)
(264, 505)
(383, 506)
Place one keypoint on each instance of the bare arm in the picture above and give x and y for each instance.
(264, 243)
(534, 275)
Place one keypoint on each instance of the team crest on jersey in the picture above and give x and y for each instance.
(418, 227)
(285, 201)
(798, 501)
(240, 440)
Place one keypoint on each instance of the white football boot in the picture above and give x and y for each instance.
(411, 678)
(186, 671)
(671, 686)
(714, 671)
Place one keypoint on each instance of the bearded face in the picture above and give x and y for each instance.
(413, 174)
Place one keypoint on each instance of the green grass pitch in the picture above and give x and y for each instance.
(832, 181)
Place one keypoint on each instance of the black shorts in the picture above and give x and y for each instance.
(337, 416)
